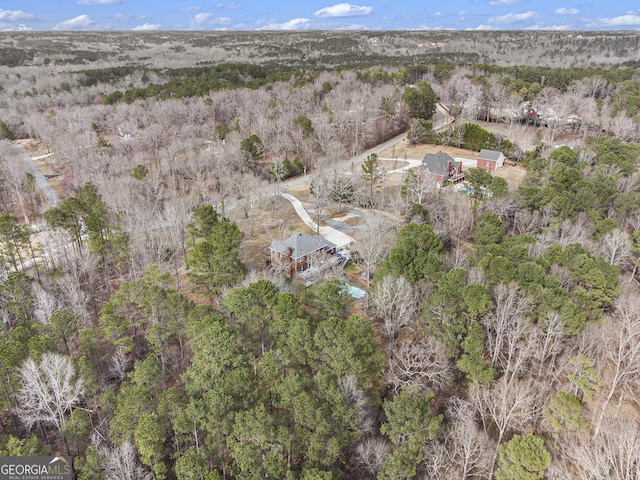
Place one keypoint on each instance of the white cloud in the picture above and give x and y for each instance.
(621, 21)
(127, 17)
(343, 10)
(547, 27)
(513, 17)
(427, 27)
(97, 2)
(190, 9)
(353, 26)
(567, 11)
(202, 19)
(483, 27)
(15, 15)
(505, 2)
(227, 5)
(147, 26)
(293, 24)
(20, 28)
(77, 23)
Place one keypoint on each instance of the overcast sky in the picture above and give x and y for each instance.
(318, 15)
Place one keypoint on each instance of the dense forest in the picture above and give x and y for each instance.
(79, 50)
(145, 335)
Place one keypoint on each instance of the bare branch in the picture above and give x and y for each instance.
(121, 463)
(48, 391)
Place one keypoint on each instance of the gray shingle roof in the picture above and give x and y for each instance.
(489, 155)
(301, 244)
(437, 162)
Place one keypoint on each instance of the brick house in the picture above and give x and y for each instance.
(443, 168)
(300, 252)
(490, 159)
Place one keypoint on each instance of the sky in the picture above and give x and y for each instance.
(319, 15)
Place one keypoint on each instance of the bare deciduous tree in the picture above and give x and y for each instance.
(525, 221)
(549, 347)
(469, 98)
(45, 305)
(505, 406)
(451, 213)
(13, 173)
(118, 365)
(320, 196)
(623, 127)
(248, 190)
(371, 454)
(616, 247)
(419, 364)
(616, 343)
(437, 462)
(418, 187)
(395, 301)
(611, 456)
(468, 447)
(121, 463)
(355, 397)
(371, 245)
(508, 331)
(74, 298)
(49, 390)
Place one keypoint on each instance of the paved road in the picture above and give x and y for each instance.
(345, 164)
(442, 118)
(48, 193)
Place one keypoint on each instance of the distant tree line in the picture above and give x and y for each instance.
(500, 336)
(197, 81)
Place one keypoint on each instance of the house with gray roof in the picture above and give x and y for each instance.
(490, 159)
(443, 168)
(300, 252)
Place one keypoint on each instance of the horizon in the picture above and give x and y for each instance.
(287, 15)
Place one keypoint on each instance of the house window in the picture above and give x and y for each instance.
(487, 164)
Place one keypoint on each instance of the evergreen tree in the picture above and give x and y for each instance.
(421, 100)
(524, 457)
(214, 262)
(253, 151)
(371, 172)
(410, 425)
(417, 255)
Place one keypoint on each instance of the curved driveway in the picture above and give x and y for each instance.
(328, 233)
